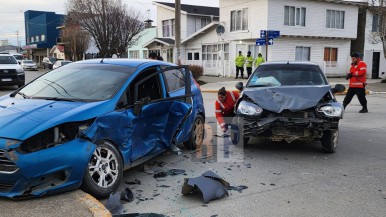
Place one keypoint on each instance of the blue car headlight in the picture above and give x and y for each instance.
(248, 108)
(54, 136)
(331, 111)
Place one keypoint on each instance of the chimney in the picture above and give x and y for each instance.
(148, 23)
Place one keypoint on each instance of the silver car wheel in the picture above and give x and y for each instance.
(103, 167)
(198, 131)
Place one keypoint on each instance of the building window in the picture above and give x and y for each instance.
(239, 20)
(145, 54)
(210, 55)
(168, 28)
(37, 38)
(294, 16)
(32, 39)
(196, 56)
(43, 37)
(376, 20)
(193, 56)
(335, 19)
(330, 56)
(205, 21)
(134, 54)
(302, 53)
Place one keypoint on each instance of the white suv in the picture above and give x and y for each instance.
(11, 73)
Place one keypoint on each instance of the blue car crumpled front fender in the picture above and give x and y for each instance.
(56, 169)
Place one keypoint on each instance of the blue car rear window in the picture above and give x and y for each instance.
(83, 82)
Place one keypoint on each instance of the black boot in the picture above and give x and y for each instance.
(364, 110)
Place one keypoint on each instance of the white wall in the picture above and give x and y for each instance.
(208, 38)
(370, 48)
(315, 19)
(166, 14)
(284, 49)
(257, 13)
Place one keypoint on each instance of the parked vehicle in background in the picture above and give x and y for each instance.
(18, 57)
(86, 122)
(60, 63)
(11, 73)
(48, 62)
(28, 64)
(288, 101)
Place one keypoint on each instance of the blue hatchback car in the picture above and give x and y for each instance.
(82, 124)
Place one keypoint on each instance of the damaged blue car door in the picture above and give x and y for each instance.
(157, 115)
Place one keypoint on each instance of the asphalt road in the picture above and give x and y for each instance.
(295, 179)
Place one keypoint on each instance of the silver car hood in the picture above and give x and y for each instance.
(293, 98)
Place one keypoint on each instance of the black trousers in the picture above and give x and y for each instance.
(361, 94)
(241, 69)
(249, 71)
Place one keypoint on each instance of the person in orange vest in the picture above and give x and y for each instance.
(224, 107)
(357, 77)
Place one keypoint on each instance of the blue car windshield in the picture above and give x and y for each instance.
(78, 82)
(287, 75)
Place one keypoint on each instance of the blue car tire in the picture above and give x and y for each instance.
(104, 171)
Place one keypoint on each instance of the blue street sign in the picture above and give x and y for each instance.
(261, 41)
(270, 41)
(271, 34)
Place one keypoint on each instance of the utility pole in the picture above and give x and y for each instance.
(266, 46)
(178, 30)
(17, 39)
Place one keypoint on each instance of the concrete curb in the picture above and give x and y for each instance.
(96, 208)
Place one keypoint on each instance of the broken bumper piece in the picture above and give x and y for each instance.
(209, 183)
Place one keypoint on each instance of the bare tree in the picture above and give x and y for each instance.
(378, 35)
(110, 23)
(76, 40)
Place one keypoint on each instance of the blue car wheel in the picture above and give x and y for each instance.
(104, 171)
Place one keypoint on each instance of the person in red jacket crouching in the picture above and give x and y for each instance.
(357, 77)
(224, 107)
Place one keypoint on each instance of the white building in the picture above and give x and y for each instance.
(373, 49)
(319, 31)
(194, 20)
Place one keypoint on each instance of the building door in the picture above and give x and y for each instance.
(376, 59)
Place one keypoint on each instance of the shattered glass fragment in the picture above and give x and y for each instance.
(239, 188)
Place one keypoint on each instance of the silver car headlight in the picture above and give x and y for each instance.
(248, 108)
(331, 111)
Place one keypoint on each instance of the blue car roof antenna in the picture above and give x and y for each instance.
(103, 58)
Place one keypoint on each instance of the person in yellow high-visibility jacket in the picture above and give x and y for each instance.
(259, 60)
(249, 63)
(240, 60)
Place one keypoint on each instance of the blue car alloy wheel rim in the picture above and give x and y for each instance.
(103, 167)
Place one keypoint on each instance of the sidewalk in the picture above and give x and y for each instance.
(74, 203)
(213, 84)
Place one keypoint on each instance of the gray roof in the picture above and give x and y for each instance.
(166, 40)
(196, 9)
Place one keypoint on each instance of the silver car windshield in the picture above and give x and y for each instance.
(78, 82)
(287, 75)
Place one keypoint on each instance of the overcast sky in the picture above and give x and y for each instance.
(12, 13)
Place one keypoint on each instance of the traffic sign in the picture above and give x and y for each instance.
(271, 33)
(261, 41)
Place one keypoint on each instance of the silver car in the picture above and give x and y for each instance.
(28, 64)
